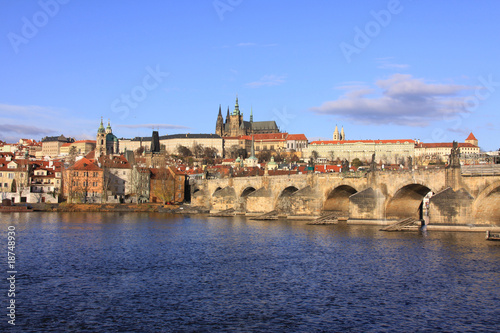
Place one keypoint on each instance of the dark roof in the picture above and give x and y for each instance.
(140, 138)
(260, 125)
(177, 136)
(190, 136)
(61, 138)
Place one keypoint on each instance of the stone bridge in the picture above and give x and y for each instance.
(458, 197)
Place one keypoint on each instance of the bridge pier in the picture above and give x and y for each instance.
(367, 205)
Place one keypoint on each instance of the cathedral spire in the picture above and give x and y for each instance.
(236, 107)
(220, 113)
(227, 116)
(342, 134)
(251, 114)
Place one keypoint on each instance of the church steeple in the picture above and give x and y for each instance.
(236, 111)
(101, 128)
(336, 136)
(251, 114)
(227, 116)
(342, 134)
(108, 128)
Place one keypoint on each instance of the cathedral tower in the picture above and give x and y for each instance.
(219, 130)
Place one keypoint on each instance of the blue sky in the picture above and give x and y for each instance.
(381, 69)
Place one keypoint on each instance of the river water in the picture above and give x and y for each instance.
(114, 272)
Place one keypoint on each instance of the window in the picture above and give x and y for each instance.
(11, 175)
(124, 173)
(0, 174)
(5, 185)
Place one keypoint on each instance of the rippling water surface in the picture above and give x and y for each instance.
(107, 272)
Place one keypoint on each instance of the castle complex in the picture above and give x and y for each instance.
(235, 126)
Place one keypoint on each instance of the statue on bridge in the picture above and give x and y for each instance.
(454, 158)
(345, 166)
(373, 164)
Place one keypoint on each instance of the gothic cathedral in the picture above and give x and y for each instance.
(235, 126)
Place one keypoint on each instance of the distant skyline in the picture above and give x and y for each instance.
(381, 69)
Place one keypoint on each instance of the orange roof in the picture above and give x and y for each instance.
(445, 145)
(66, 144)
(362, 141)
(471, 137)
(85, 164)
(85, 141)
(118, 162)
(296, 137)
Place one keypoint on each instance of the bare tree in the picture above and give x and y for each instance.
(184, 151)
(197, 150)
(163, 185)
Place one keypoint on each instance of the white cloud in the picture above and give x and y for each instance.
(400, 99)
(24, 129)
(267, 80)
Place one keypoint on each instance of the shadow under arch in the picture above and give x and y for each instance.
(283, 203)
(217, 190)
(486, 209)
(407, 202)
(338, 199)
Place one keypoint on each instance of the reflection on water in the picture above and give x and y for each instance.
(146, 272)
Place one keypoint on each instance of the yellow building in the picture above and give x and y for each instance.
(426, 153)
(83, 147)
(51, 145)
(386, 151)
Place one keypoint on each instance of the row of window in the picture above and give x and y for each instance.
(84, 183)
(10, 175)
(86, 174)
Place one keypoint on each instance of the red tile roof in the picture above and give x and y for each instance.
(85, 164)
(85, 141)
(445, 145)
(296, 137)
(471, 137)
(361, 141)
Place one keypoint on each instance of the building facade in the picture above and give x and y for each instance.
(83, 182)
(426, 153)
(51, 145)
(386, 151)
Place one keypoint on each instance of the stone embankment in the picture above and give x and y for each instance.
(145, 207)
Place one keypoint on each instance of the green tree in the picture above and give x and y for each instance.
(356, 163)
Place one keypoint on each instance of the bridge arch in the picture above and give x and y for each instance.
(283, 203)
(247, 191)
(486, 207)
(242, 199)
(216, 190)
(337, 199)
(407, 202)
